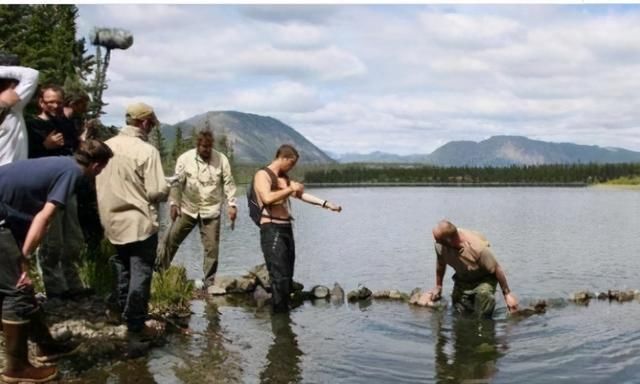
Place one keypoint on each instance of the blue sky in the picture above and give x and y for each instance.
(400, 79)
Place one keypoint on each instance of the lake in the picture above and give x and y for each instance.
(550, 241)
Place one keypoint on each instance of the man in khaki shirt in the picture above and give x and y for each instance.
(129, 190)
(204, 183)
(477, 271)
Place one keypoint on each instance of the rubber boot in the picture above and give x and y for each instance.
(47, 348)
(18, 369)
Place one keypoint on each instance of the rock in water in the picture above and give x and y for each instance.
(262, 275)
(539, 308)
(362, 293)
(337, 293)
(381, 294)
(216, 290)
(320, 292)
(261, 295)
(296, 286)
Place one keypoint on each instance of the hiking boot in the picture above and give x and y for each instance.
(153, 329)
(47, 353)
(18, 369)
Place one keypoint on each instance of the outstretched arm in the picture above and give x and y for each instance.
(311, 199)
(509, 297)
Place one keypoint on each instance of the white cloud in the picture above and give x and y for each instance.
(392, 78)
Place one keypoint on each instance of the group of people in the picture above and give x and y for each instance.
(46, 157)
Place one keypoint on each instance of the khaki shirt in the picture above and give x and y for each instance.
(130, 187)
(473, 261)
(203, 186)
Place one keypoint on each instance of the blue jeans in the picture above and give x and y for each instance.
(133, 268)
(18, 304)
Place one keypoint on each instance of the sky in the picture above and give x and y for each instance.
(398, 79)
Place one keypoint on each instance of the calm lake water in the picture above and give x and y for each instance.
(550, 241)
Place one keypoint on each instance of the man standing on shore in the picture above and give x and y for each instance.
(129, 190)
(204, 183)
(477, 270)
(273, 188)
(51, 133)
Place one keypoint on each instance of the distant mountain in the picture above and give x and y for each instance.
(519, 150)
(255, 138)
(502, 151)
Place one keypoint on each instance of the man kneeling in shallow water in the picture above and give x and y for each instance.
(477, 271)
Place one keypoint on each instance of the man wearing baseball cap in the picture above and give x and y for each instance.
(129, 190)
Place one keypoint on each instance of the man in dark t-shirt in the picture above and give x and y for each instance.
(31, 192)
(51, 133)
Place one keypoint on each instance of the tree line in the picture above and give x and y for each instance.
(526, 174)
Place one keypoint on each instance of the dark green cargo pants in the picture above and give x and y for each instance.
(477, 298)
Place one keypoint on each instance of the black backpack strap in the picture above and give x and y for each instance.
(274, 187)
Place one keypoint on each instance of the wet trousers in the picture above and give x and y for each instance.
(477, 298)
(18, 304)
(278, 248)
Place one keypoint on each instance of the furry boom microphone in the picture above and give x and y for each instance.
(112, 38)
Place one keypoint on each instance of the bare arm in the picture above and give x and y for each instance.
(509, 298)
(262, 185)
(37, 230)
(311, 199)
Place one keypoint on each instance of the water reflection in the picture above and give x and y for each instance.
(466, 349)
(284, 355)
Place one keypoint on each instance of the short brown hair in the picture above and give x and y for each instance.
(287, 151)
(205, 135)
(50, 87)
(93, 151)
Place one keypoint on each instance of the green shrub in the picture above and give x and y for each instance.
(171, 290)
(95, 269)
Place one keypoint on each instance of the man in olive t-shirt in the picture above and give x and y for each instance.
(477, 271)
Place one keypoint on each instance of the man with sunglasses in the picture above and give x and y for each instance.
(204, 183)
(477, 270)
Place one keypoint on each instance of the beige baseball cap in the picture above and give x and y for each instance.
(141, 111)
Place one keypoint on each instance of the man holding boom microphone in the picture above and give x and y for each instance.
(272, 189)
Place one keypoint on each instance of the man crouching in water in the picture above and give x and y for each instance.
(477, 270)
(273, 189)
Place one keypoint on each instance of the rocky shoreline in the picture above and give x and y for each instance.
(103, 339)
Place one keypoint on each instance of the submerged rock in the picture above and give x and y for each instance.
(260, 295)
(394, 294)
(216, 290)
(261, 274)
(362, 293)
(538, 308)
(582, 297)
(381, 294)
(622, 296)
